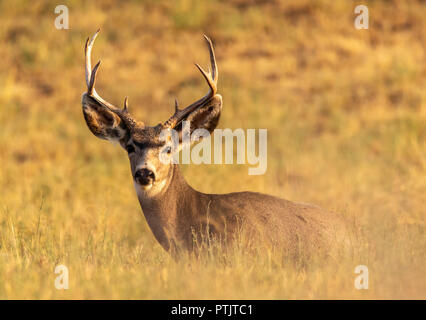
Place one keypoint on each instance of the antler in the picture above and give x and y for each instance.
(90, 81)
(211, 78)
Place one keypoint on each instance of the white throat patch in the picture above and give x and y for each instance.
(151, 190)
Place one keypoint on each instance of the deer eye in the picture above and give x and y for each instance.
(130, 148)
(169, 150)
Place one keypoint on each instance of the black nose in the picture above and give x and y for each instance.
(144, 176)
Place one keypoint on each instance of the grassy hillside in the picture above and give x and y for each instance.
(345, 111)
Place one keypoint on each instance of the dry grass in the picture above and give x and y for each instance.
(346, 117)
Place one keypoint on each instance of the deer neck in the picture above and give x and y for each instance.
(170, 212)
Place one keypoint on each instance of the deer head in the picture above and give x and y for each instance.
(142, 142)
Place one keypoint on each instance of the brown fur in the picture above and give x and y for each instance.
(181, 214)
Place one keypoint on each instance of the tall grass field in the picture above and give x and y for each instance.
(345, 111)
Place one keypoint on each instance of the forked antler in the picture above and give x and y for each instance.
(90, 81)
(211, 78)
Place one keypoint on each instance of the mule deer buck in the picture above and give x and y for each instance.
(175, 212)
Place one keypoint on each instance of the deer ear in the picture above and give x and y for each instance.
(207, 116)
(102, 122)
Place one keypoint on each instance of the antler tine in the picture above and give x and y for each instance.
(126, 104)
(87, 52)
(176, 105)
(91, 74)
(214, 72)
(211, 78)
(91, 91)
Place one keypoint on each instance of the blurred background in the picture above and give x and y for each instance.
(345, 111)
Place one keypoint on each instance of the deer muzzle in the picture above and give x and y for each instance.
(144, 177)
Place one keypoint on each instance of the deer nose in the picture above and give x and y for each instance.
(144, 176)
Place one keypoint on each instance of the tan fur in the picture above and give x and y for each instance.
(180, 215)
